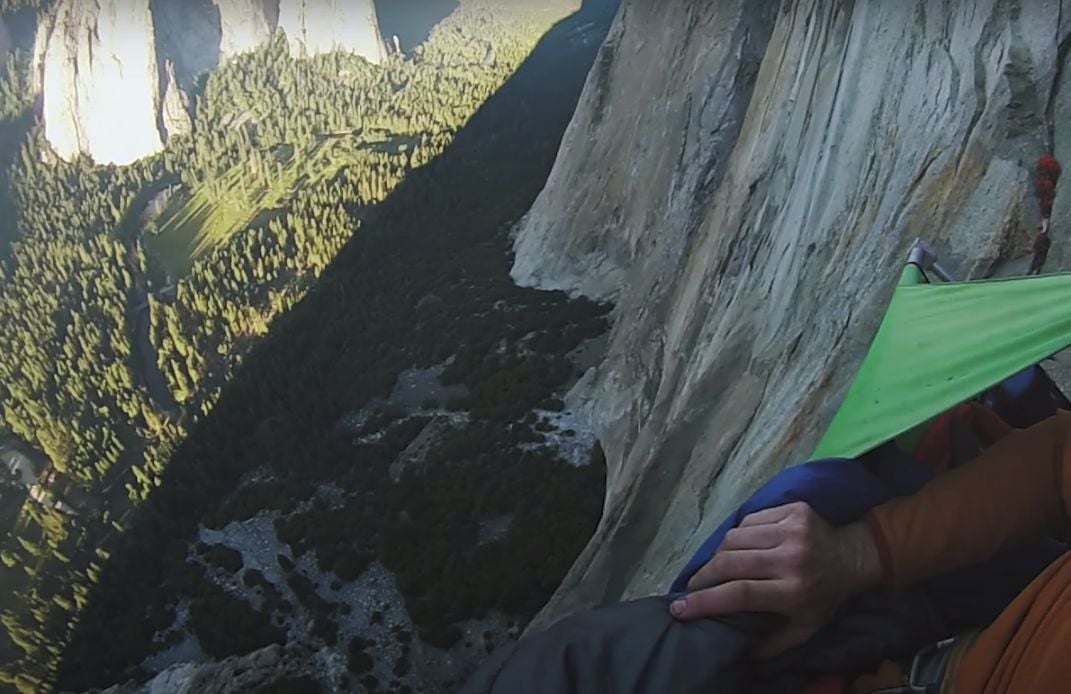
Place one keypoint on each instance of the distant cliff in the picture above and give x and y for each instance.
(319, 26)
(245, 24)
(114, 74)
(743, 178)
(100, 79)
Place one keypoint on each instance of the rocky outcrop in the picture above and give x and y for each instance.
(100, 79)
(743, 178)
(319, 26)
(176, 106)
(45, 24)
(268, 666)
(245, 24)
(199, 35)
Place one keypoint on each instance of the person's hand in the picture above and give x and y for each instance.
(788, 561)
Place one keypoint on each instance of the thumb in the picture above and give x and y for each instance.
(785, 638)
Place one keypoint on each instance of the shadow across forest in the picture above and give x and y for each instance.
(424, 281)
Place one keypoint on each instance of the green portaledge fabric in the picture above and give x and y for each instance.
(941, 344)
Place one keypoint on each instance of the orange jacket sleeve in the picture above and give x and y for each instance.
(1015, 492)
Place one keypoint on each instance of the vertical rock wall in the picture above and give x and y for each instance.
(100, 77)
(175, 109)
(245, 24)
(743, 178)
(318, 26)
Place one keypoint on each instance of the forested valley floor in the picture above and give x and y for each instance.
(214, 341)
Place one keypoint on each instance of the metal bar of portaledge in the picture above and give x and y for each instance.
(926, 260)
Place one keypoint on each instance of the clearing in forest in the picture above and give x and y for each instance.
(194, 223)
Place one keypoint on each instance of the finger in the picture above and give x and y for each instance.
(782, 640)
(729, 598)
(769, 515)
(752, 537)
(733, 565)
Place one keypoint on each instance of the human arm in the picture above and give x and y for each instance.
(789, 561)
(1015, 493)
(785, 560)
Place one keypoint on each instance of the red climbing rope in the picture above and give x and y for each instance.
(1045, 179)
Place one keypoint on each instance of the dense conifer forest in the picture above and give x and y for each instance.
(215, 333)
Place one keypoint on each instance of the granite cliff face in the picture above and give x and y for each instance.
(743, 179)
(100, 80)
(245, 24)
(175, 106)
(318, 26)
(116, 75)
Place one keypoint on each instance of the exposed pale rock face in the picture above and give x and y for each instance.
(176, 106)
(319, 26)
(245, 24)
(199, 35)
(46, 21)
(743, 178)
(101, 86)
(238, 674)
